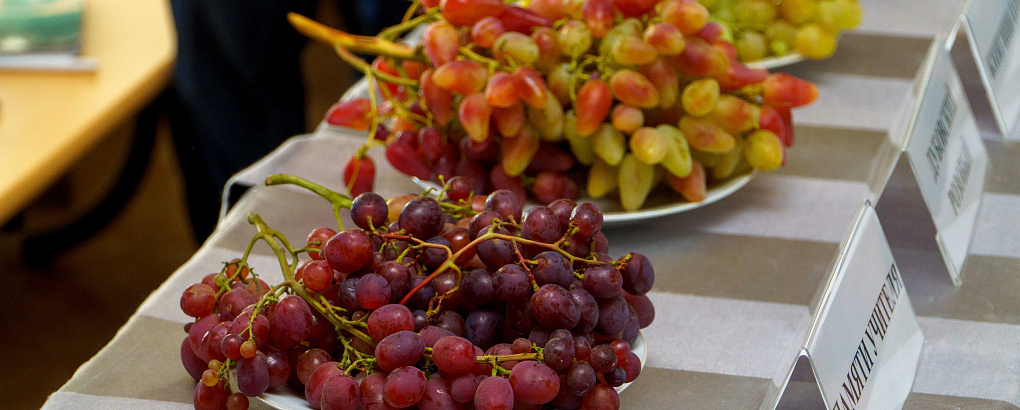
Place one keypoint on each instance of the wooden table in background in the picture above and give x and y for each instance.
(49, 119)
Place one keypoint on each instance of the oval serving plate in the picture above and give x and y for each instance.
(776, 62)
(661, 201)
(287, 399)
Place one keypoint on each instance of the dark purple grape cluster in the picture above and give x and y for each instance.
(466, 302)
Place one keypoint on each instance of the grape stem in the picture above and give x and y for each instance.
(450, 256)
(374, 127)
(363, 66)
(407, 14)
(271, 236)
(222, 372)
(268, 298)
(398, 106)
(548, 246)
(367, 360)
(438, 300)
(461, 209)
(419, 242)
(492, 64)
(225, 285)
(451, 261)
(360, 44)
(520, 357)
(524, 264)
(408, 23)
(339, 201)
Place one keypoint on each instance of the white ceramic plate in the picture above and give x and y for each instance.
(661, 202)
(287, 399)
(776, 62)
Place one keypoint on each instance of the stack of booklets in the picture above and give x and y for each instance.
(42, 35)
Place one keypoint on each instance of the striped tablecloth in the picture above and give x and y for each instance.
(734, 280)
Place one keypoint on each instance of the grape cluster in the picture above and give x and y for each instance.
(614, 95)
(462, 302)
(765, 28)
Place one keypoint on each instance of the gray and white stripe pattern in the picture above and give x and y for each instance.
(734, 279)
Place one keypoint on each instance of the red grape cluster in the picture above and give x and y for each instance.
(466, 302)
(618, 95)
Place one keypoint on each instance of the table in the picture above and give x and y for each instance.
(48, 119)
(734, 280)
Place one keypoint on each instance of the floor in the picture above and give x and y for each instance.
(55, 319)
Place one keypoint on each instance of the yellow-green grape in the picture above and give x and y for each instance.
(628, 28)
(666, 38)
(627, 118)
(710, 4)
(837, 15)
(558, 81)
(518, 151)
(574, 8)
(764, 150)
(648, 145)
(574, 38)
(704, 134)
(815, 41)
(582, 147)
(602, 179)
(723, 10)
(728, 163)
(779, 48)
(516, 46)
(691, 187)
(781, 30)
(751, 46)
(780, 36)
(798, 11)
(778, 27)
(630, 50)
(735, 115)
(632, 87)
(549, 119)
(755, 11)
(852, 14)
(700, 96)
(727, 30)
(609, 144)
(636, 180)
(665, 79)
(709, 160)
(678, 154)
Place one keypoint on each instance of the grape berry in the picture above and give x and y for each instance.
(610, 96)
(395, 316)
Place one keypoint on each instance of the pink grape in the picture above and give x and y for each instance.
(317, 380)
(494, 393)
(404, 387)
(534, 383)
(340, 392)
(399, 349)
(485, 31)
(389, 319)
(292, 321)
(454, 354)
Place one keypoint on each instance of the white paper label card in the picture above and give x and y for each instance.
(991, 26)
(864, 343)
(948, 159)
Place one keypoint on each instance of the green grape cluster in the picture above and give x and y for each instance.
(773, 28)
